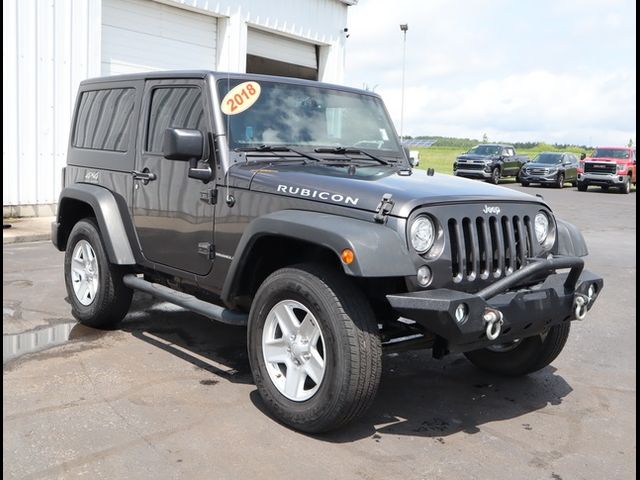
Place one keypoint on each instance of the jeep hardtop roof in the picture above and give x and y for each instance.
(169, 74)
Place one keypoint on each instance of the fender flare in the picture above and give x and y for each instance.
(569, 240)
(365, 238)
(109, 218)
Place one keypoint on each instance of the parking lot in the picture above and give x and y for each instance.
(170, 394)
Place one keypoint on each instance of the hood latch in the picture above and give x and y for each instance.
(384, 208)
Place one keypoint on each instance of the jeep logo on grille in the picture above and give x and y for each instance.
(491, 210)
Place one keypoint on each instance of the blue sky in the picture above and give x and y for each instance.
(558, 71)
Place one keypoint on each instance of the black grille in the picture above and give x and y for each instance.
(489, 247)
(592, 167)
(470, 166)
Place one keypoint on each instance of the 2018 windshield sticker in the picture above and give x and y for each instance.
(306, 192)
(240, 98)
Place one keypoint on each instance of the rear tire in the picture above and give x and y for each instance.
(582, 187)
(605, 188)
(529, 355)
(95, 290)
(351, 353)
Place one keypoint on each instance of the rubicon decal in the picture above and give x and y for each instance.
(322, 195)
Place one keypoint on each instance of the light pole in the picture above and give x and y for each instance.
(403, 28)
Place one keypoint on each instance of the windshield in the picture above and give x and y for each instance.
(611, 153)
(550, 158)
(301, 115)
(485, 150)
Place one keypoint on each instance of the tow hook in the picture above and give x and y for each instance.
(494, 320)
(580, 303)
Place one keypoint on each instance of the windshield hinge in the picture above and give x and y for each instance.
(209, 196)
(207, 249)
(384, 208)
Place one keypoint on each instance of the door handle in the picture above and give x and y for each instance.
(145, 175)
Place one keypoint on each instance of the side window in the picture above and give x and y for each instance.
(509, 152)
(103, 121)
(173, 107)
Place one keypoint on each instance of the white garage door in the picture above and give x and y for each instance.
(142, 35)
(282, 49)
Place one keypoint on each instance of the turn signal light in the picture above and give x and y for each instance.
(347, 256)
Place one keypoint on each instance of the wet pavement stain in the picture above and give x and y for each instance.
(208, 382)
(40, 339)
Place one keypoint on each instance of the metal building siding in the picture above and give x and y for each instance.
(142, 35)
(49, 46)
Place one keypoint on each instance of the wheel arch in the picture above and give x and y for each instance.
(81, 200)
(291, 236)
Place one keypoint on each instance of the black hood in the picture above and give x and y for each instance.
(364, 188)
(473, 156)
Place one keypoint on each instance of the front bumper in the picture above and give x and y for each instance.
(525, 311)
(461, 172)
(603, 178)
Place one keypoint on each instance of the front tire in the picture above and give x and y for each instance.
(626, 186)
(526, 356)
(95, 290)
(560, 181)
(495, 176)
(314, 348)
(524, 184)
(582, 187)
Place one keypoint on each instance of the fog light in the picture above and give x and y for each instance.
(424, 276)
(461, 313)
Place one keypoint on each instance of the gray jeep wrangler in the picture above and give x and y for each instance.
(290, 207)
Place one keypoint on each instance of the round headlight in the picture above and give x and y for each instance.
(541, 226)
(423, 234)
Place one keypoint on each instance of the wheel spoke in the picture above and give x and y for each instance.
(275, 351)
(294, 381)
(82, 289)
(309, 329)
(286, 319)
(77, 265)
(314, 367)
(86, 255)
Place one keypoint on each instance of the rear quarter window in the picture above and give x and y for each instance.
(104, 119)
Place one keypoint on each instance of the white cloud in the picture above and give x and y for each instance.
(475, 67)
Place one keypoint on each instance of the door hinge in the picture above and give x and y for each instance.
(209, 196)
(384, 208)
(207, 249)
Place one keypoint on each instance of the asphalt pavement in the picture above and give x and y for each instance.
(169, 395)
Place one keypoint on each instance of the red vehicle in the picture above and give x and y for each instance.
(608, 167)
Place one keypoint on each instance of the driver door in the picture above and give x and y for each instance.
(173, 225)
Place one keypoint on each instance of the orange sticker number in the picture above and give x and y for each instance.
(240, 98)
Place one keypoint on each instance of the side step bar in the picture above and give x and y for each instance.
(187, 301)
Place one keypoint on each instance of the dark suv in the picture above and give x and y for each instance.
(289, 206)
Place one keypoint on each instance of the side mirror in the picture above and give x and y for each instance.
(583, 156)
(182, 144)
(186, 145)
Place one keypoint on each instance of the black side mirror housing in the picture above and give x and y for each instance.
(186, 145)
(182, 144)
(583, 156)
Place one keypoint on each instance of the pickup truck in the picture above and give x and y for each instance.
(489, 161)
(608, 167)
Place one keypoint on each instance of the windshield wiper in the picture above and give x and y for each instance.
(352, 151)
(280, 148)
